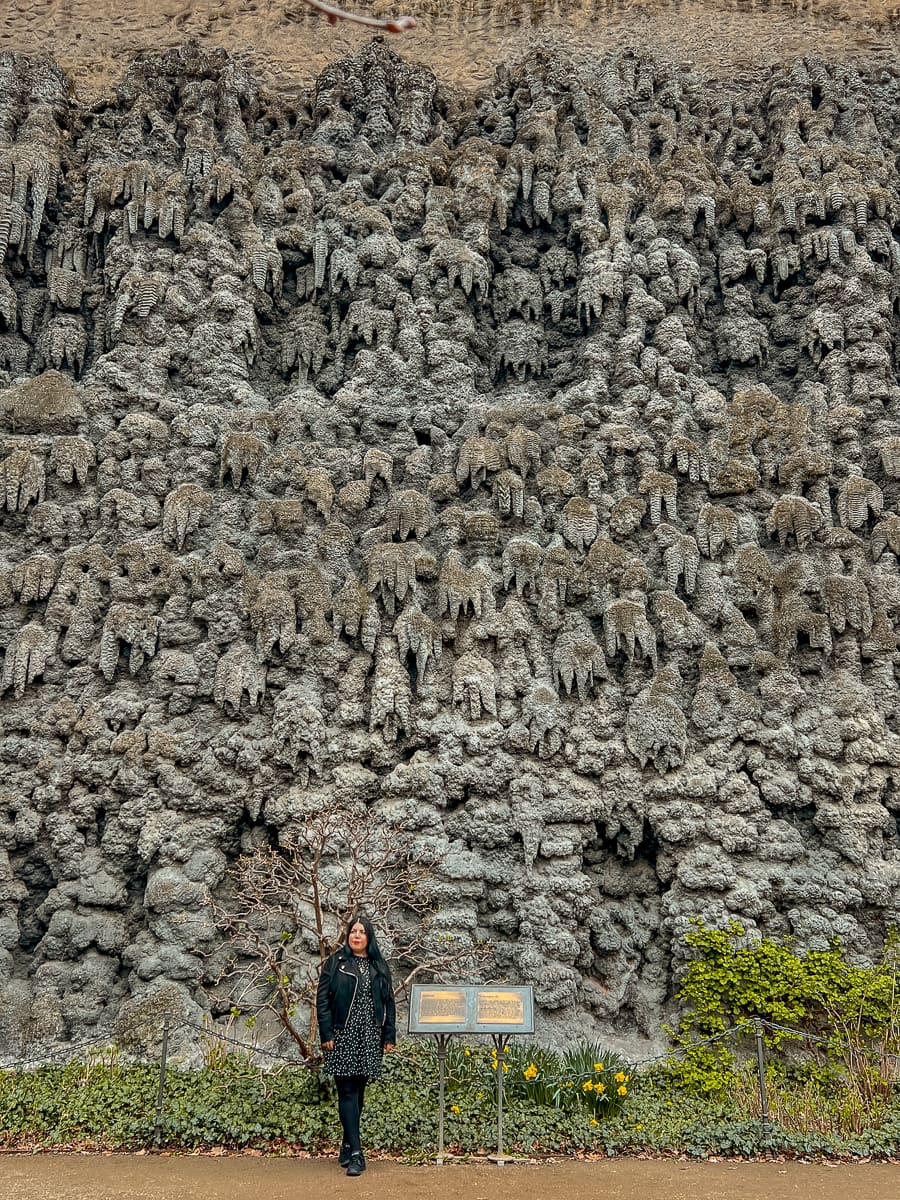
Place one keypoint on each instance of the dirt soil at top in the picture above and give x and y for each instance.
(461, 40)
(154, 1177)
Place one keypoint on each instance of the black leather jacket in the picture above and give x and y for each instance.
(337, 987)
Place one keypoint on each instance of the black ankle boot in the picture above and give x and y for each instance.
(344, 1156)
(357, 1164)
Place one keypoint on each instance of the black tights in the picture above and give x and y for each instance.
(351, 1090)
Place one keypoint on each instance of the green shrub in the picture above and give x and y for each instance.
(848, 1018)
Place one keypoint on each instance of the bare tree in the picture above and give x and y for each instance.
(333, 14)
(290, 906)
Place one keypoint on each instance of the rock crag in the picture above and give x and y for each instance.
(524, 464)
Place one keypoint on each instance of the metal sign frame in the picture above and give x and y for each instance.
(470, 1008)
(442, 1010)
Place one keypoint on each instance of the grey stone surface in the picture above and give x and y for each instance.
(524, 465)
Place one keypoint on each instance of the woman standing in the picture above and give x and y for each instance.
(357, 1022)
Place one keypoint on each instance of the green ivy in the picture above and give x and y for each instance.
(236, 1105)
(828, 1100)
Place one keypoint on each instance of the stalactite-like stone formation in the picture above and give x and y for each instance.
(523, 464)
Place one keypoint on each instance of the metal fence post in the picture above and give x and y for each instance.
(162, 1081)
(761, 1069)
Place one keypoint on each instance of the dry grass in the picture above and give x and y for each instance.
(841, 1110)
(460, 39)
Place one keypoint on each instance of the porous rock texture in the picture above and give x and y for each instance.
(524, 464)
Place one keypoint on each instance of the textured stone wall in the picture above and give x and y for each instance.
(524, 464)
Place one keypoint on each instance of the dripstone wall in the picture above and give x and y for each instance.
(524, 464)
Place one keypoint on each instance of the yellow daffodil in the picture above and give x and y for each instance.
(599, 1087)
(623, 1090)
(598, 1066)
(639, 1127)
(468, 1053)
(620, 1076)
(531, 1071)
(593, 1122)
(587, 1087)
(505, 1066)
(454, 1108)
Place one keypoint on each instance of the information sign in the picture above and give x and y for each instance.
(442, 1006)
(470, 1008)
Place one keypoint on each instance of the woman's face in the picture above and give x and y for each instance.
(358, 938)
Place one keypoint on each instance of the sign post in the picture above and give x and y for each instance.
(500, 1041)
(442, 1039)
(468, 1008)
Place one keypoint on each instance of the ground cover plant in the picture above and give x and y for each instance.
(830, 1030)
(110, 1102)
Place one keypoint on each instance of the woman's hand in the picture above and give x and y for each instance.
(388, 1047)
(328, 1045)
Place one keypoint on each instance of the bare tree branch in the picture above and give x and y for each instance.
(333, 14)
(290, 907)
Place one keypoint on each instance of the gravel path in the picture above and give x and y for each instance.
(151, 1177)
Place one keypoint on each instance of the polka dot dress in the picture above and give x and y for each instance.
(357, 1047)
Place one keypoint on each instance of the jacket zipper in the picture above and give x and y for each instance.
(355, 985)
